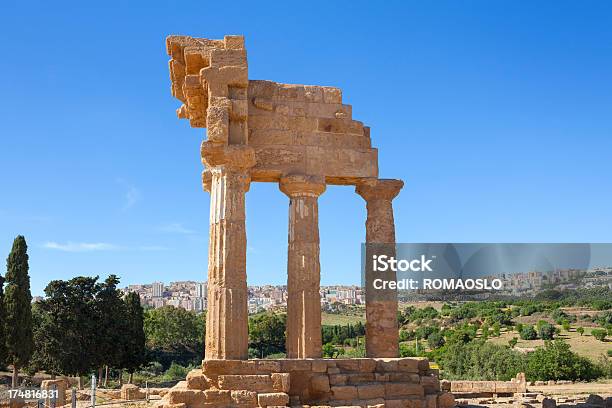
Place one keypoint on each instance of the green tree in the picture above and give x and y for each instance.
(528, 333)
(67, 331)
(133, 347)
(17, 306)
(267, 333)
(175, 334)
(599, 334)
(566, 325)
(3, 352)
(546, 331)
(555, 361)
(580, 330)
(110, 312)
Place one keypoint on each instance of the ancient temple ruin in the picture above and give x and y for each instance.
(303, 138)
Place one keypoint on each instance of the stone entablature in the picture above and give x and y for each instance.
(294, 129)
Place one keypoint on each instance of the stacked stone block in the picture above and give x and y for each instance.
(363, 382)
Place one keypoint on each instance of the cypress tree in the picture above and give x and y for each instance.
(109, 311)
(2, 324)
(17, 303)
(134, 352)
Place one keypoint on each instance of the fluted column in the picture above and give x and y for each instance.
(303, 268)
(227, 179)
(382, 333)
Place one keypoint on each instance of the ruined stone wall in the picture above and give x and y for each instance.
(399, 382)
(486, 388)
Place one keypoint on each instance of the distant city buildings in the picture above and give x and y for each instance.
(191, 295)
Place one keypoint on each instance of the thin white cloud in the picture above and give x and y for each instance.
(176, 228)
(80, 246)
(98, 246)
(132, 194)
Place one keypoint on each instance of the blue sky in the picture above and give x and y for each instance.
(497, 115)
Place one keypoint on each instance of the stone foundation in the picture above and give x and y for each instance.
(475, 389)
(361, 382)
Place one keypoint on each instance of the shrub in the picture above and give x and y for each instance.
(546, 331)
(435, 340)
(528, 333)
(176, 372)
(481, 361)
(329, 351)
(512, 342)
(555, 361)
(407, 351)
(599, 334)
(580, 330)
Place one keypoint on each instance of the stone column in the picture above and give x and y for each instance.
(303, 268)
(227, 179)
(382, 334)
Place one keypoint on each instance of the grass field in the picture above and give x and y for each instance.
(342, 319)
(586, 345)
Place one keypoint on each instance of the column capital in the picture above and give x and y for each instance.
(243, 177)
(379, 189)
(238, 157)
(298, 185)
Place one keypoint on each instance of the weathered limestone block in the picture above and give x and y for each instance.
(431, 384)
(196, 380)
(401, 390)
(275, 399)
(446, 400)
(296, 365)
(319, 384)
(338, 379)
(371, 391)
(387, 365)
(132, 392)
(257, 383)
(348, 365)
(281, 382)
(360, 378)
(409, 365)
(217, 396)
(431, 401)
(405, 377)
(344, 392)
(61, 385)
(319, 366)
(185, 396)
(244, 398)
